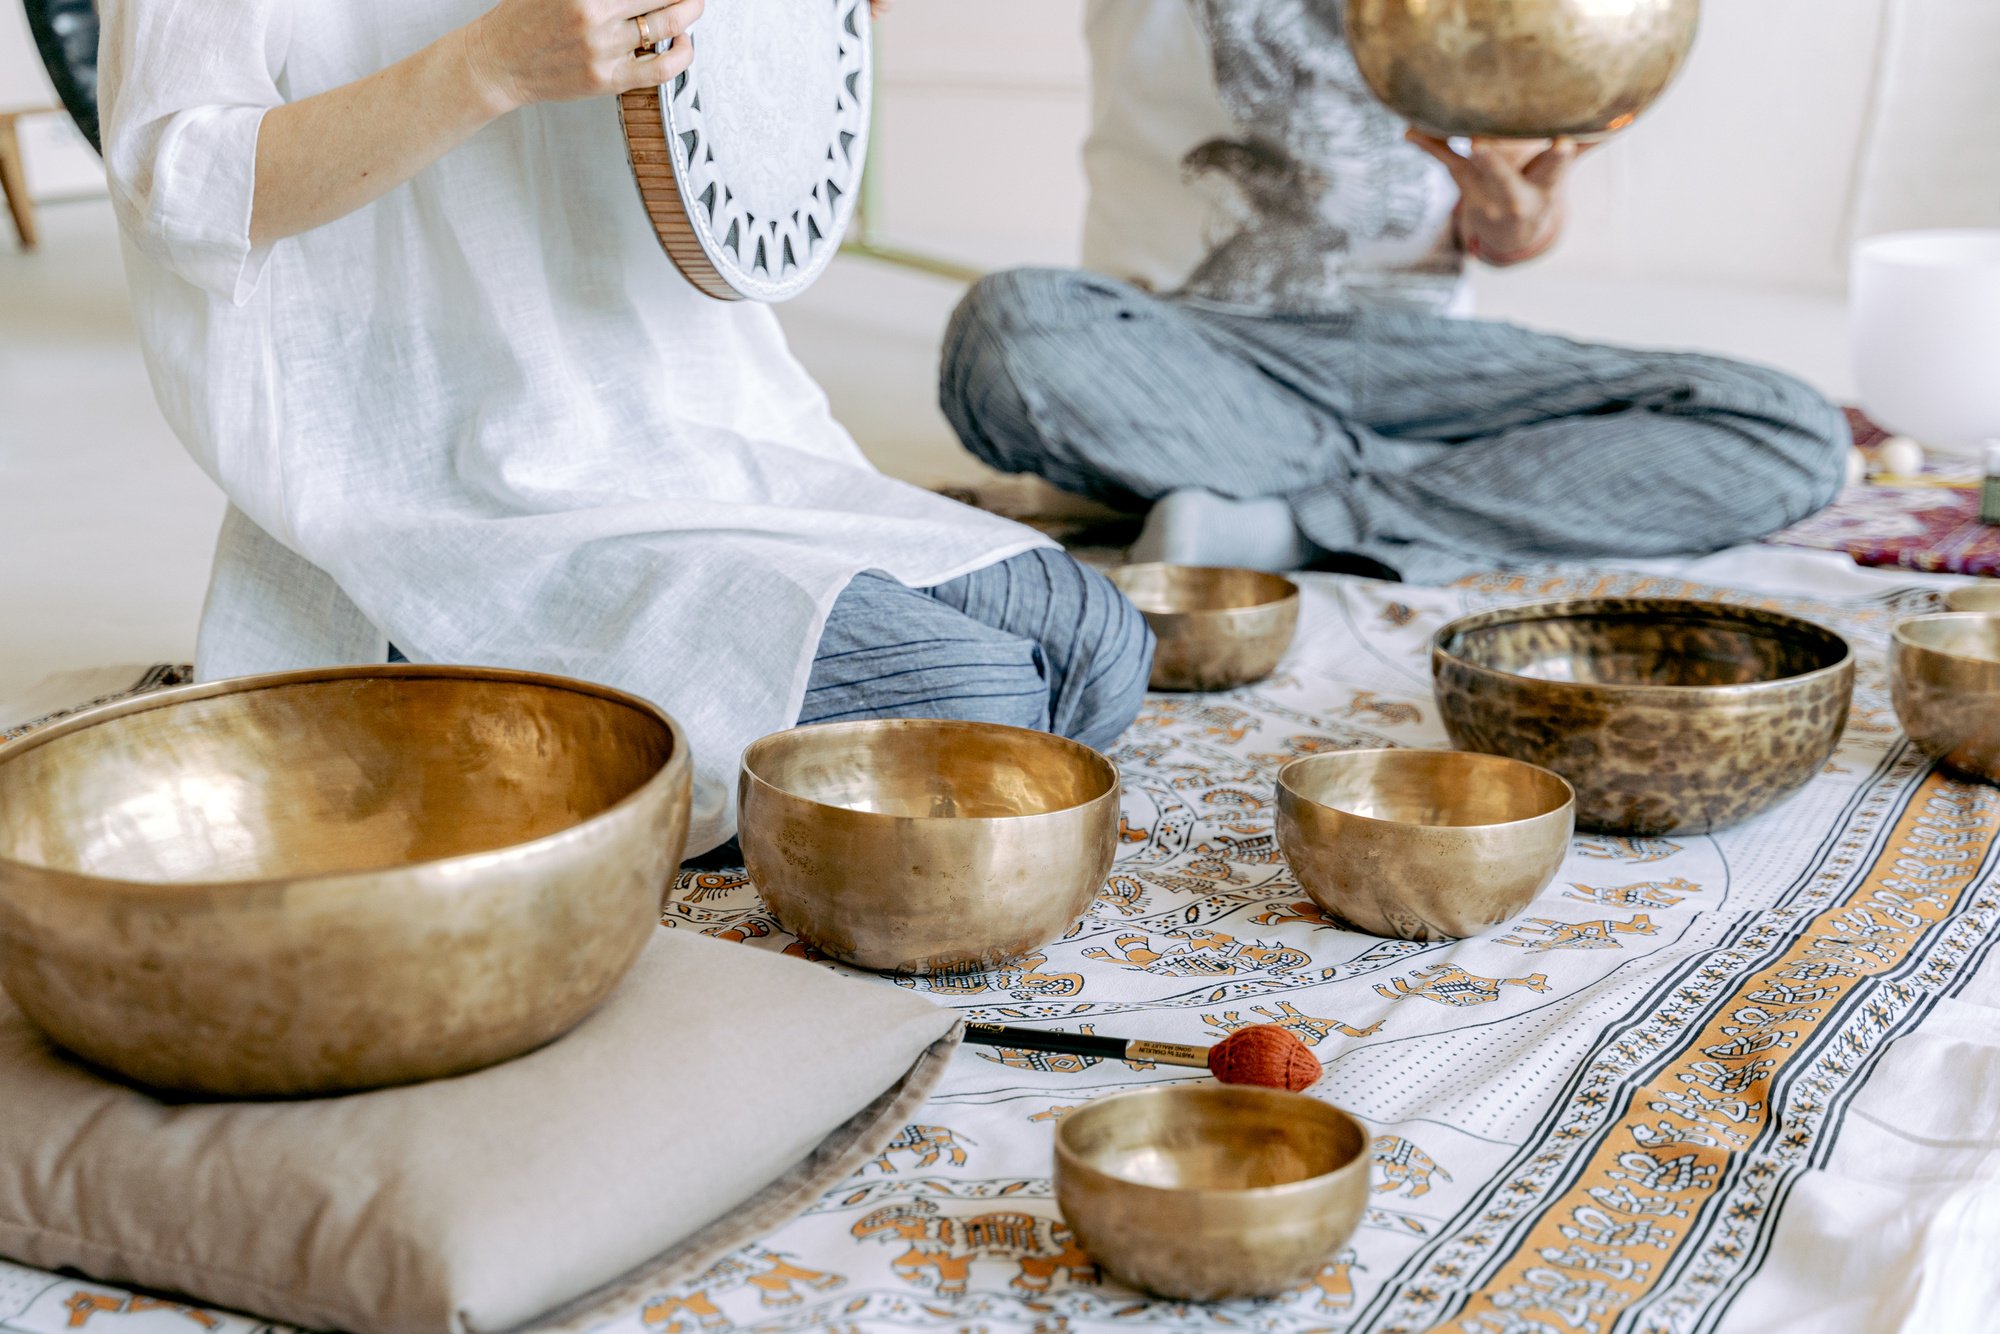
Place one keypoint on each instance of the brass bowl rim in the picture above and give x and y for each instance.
(1291, 593)
(678, 760)
(1896, 635)
(1565, 609)
(1103, 761)
(1070, 1160)
(1475, 756)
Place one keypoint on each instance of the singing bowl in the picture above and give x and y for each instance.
(1944, 679)
(338, 879)
(1206, 1191)
(1666, 716)
(1218, 627)
(1529, 69)
(1983, 597)
(1422, 844)
(910, 845)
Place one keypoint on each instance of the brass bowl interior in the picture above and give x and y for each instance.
(924, 769)
(1431, 788)
(1212, 1138)
(1982, 597)
(1164, 590)
(1971, 636)
(1688, 647)
(323, 777)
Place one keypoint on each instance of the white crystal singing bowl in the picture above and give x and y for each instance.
(1927, 336)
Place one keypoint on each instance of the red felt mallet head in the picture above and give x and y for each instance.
(1264, 1054)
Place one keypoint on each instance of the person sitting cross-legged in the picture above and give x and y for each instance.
(1270, 351)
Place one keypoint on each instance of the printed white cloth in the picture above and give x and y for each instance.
(1743, 1082)
(601, 472)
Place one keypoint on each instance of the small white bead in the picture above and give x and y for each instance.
(1900, 456)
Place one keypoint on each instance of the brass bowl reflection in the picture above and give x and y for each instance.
(1422, 844)
(1667, 716)
(334, 879)
(1529, 69)
(910, 845)
(1218, 627)
(1944, 678)
(1206, 1191)
(1982, 597)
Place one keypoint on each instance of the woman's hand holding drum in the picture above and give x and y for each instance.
(527, 51)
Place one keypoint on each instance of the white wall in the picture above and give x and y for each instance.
(981, 112)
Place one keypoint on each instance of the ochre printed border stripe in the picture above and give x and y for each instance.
(1602, 1244)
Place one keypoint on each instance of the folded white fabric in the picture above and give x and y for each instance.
(719, 1091)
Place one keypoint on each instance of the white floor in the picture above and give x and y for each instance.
(105, 525)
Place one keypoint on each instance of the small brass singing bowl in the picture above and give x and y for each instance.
(1422, 844)
(1983, 597)
(910, 845)
(1944, 679)
(1218, 627)
(1206, 1191)
(1667, 716)
(328, 880)
(1529, 69)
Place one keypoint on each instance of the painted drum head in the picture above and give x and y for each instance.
(749, 163)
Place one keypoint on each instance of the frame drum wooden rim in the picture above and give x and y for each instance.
(690, 179)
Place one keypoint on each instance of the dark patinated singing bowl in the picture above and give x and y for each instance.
(337, 879)
(1422, 844)
(910, 845)
(1667, 716)
(1529, 69)
(1205, 1191)
(1218, 627)
(1944, 679)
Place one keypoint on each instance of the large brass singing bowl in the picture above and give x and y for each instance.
(1206, 1191)
(1422, 844)
(336, 879)
(1218, 627)
(1667, 716)
(912, 845)
(1944, 679)
(1529, 69)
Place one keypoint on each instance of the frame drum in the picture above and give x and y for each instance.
(749, 163)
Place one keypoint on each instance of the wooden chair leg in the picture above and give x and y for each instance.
(14, 183)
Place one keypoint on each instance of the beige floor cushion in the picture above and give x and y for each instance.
(720, 1090)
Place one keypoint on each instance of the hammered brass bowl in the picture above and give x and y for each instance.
(1218, 627)
(1422, 844)
(1944, 678)
(1206, 1191)
(1981, 597)
(910, 845)
(339, 879)
(1530, 69)
(1667, 716)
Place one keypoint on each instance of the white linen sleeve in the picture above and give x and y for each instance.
(183, 88)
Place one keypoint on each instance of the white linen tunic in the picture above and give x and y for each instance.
(484, 417)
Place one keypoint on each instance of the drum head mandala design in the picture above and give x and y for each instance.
(749, 163)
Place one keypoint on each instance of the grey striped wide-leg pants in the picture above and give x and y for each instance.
(1435, 446)
(1035, 641)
